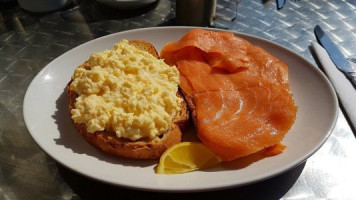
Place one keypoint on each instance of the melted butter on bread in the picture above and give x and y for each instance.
(127, 91)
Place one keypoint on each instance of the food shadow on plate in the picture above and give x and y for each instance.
(239, 163)
(272, 188)
(71, 139)
(190, 135)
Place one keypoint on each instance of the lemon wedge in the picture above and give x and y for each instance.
(185, 157)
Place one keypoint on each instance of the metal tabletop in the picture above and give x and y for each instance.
(29, 41)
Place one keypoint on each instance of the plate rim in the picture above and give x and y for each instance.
(197, 189)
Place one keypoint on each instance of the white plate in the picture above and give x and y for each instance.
(126, 4)
(47, 119)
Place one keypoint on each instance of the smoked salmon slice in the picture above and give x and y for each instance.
(240, 92)
(220, 49)
(241, 122)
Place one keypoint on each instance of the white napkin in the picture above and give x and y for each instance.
(343, 87)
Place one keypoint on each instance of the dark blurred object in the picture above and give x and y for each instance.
(43, 5)
(4, 1)
(280, 3)
(195, 12)
(203, 12)
(126, 4)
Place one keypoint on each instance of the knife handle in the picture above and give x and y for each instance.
(352, 77)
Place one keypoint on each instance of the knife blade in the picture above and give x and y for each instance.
(335, 54)
(280, 3)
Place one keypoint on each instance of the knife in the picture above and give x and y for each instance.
(280, 3)
(343, 87)
(335, 54)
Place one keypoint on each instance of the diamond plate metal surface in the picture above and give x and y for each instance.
(29, 41)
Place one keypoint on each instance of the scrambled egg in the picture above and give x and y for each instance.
(127, 91)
